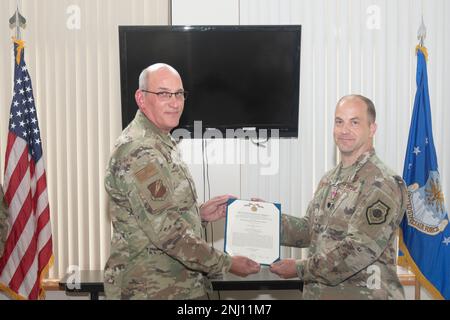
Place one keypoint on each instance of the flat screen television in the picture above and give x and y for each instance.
(237, 76)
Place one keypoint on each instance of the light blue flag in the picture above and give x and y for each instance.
(425, 239)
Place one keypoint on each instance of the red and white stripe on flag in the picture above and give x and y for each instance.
(28, 248)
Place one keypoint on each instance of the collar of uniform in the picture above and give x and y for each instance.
(152, 130)
(359, 163)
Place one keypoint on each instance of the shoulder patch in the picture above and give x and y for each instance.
(152, 186)
(158, 190)
(377, 213)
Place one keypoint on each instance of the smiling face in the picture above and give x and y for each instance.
(165, 114)
(353, 130)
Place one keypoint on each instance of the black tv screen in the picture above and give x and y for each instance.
(236, 76)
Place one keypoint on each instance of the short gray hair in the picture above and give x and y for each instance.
(371, 112)
(143, 77)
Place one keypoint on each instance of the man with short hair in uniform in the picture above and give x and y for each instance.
(157, 250)
(350, 224)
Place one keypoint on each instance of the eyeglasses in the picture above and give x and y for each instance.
(166, 95)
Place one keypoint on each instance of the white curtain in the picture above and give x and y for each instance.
(355, 46)
(72, 51)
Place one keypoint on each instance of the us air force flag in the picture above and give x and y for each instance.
(425, 238)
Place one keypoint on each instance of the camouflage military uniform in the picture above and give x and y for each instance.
(157, 251)
(3, 222)
(350, 229)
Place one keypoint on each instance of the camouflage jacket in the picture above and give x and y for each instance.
(157, 250)
(3, 222)
(350, 228)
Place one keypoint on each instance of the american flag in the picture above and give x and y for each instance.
(28, 249)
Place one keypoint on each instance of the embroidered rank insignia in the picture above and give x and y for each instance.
(158, 190)
(377, 213)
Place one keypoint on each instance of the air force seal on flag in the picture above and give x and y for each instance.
(426, 211)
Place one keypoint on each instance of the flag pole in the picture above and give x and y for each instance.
(18, 35)
(422, 33)
(17, 21)
(424, 241)
(28, 251)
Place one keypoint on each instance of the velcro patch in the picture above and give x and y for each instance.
(377, 213)
(146, 173)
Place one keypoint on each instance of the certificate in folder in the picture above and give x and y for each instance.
(253, 230)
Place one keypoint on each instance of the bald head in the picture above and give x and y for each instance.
(354, 127)
(158, 96)
(152, 71)
(371, 112)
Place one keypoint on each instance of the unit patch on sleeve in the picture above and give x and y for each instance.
(158, 190)
(377, 213)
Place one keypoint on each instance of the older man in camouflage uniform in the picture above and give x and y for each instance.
(350, 225)
(3, 222)
(157, 250)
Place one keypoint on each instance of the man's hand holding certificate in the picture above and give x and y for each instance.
(253, 230)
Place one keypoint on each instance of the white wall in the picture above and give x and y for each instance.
(201, 12)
